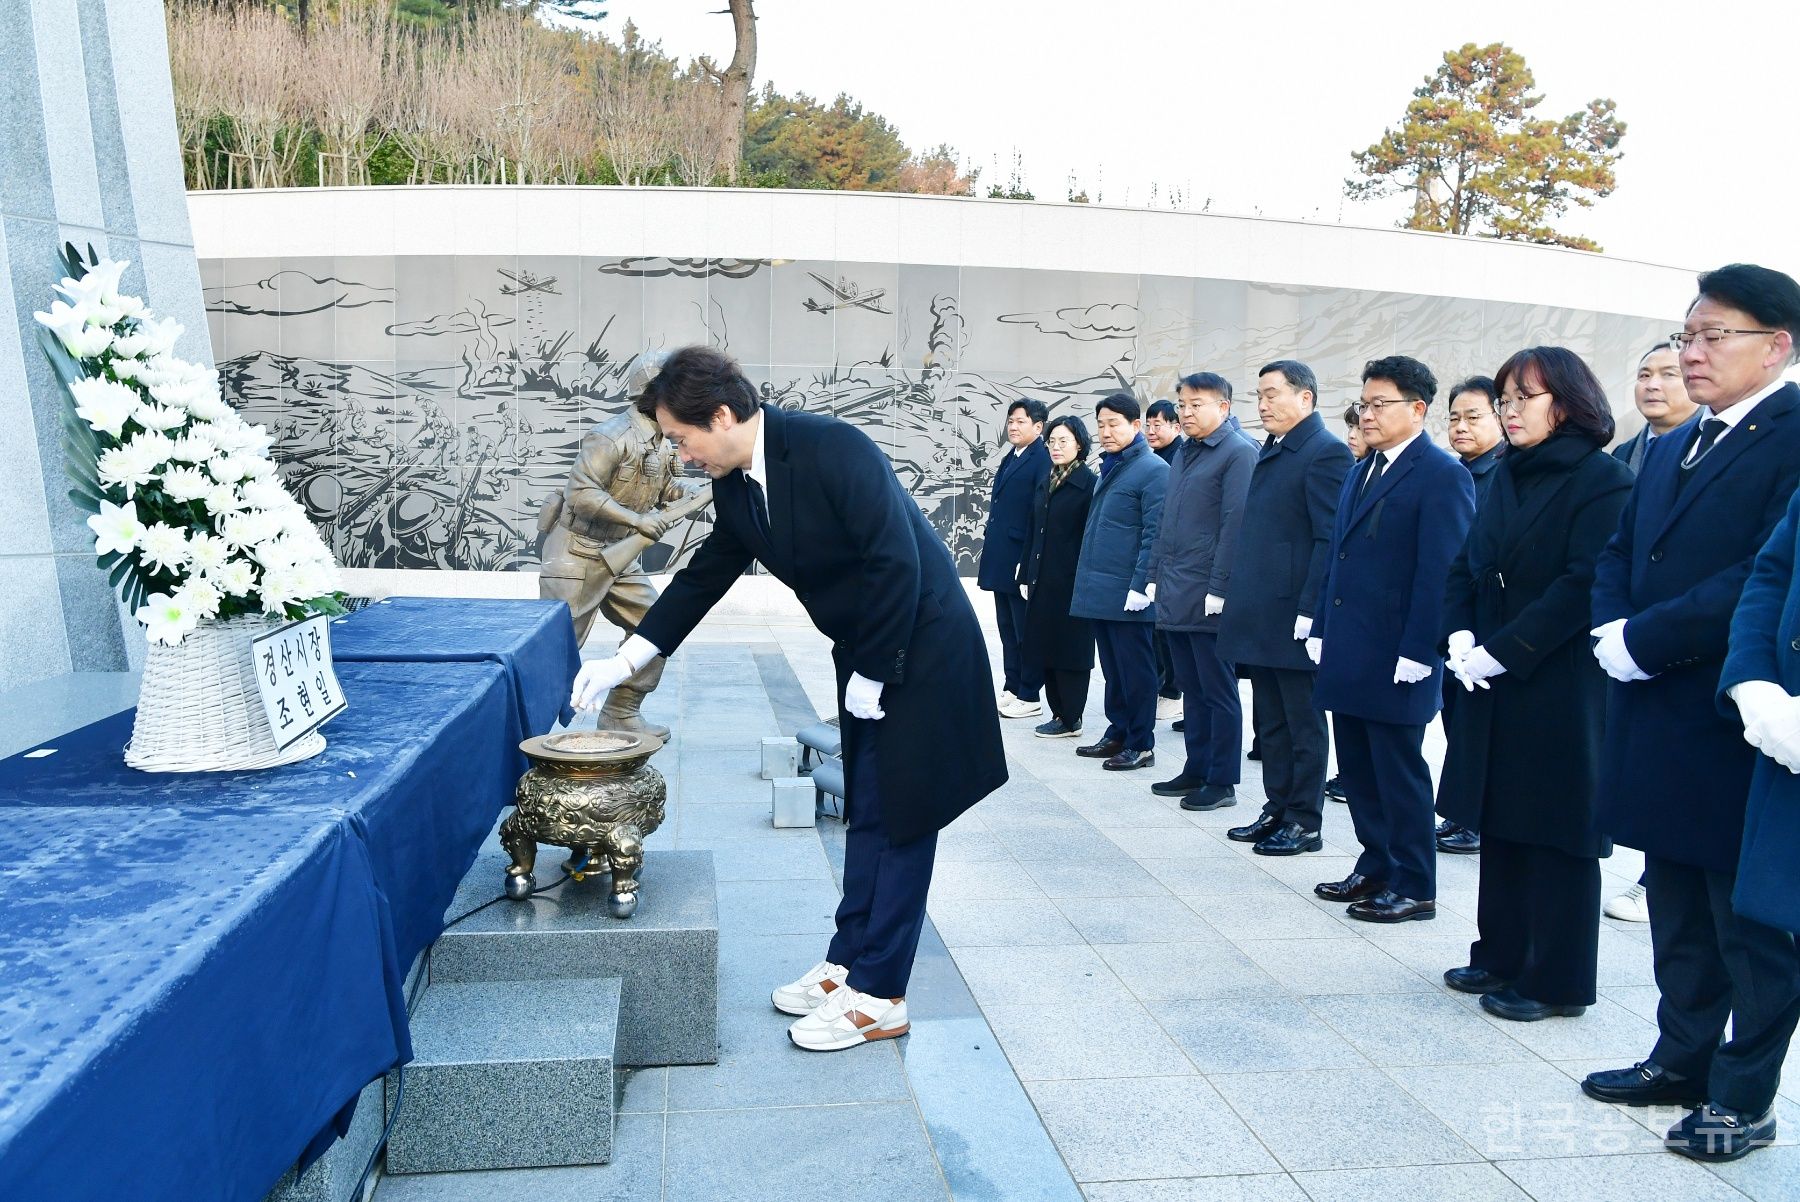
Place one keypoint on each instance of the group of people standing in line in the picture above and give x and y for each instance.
(1613, 641)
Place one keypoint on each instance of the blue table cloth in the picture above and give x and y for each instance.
(199, 971)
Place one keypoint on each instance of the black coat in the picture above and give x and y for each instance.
(876, 580)
(1282, 546)
(1631, 451)
(1051, 637)
(1196, 541)
(1674, 770)
(1482, 469)
(1524, 754)
(1008, 530)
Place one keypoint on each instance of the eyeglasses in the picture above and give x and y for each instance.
(1358, 408)
(1474, 418)
(1712, 335)
(1517, 403)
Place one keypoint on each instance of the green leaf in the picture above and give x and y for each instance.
(82, 502)
(120, 570)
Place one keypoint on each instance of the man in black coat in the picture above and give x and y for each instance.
(1675, 771)
(1016, 482)
(1162, 430)
(1268, 614)
(817, 503)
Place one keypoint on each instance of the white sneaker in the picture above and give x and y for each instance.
(810, 991)
(1017, 708)
(1629, 906)
(849, 1017)
(1006, 699)
(1168, 708)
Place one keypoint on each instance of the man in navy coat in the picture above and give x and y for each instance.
(1675, 771)
(1016, 482)
(816, 502)
(1402, 517)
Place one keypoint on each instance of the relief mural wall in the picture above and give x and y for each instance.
(424, 406)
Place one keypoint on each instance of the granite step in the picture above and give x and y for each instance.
(507, 1074)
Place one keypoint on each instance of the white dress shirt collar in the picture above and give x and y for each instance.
(1394, 452)
(1735, 414)
(759, 467)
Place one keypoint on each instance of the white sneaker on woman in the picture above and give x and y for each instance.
(810, 991)
(1629, 906)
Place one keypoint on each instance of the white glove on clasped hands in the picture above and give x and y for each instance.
(598, 676)
(1215, 605)
(862, 697)
(1314, 648)
(1461, 643)
(1024, 592)
(1614, 659)
(1150, 590)
(1477, 668)
(1408, 671)
(1302, 628)
(1134, 600)
(1771, 720)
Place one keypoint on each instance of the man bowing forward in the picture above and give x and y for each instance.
(815, 502)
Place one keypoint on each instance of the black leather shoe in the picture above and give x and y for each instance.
(1388, 906)
(1256, 832)
(1714, 1133)
(1510, 1004)
(1353, 888)
(1126, 761)
(1104, 749)
(1469, 979)
(1460, 842)
(1255, 753)
(1289, 839)
(1181, 786)
(1210, 797)
(1179, 725)
(1334, 789)
(1446, 827)
(1645, 1083)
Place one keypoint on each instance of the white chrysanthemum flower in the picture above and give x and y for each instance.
(155, 445)
(281, 587)
(164, 547)
(126, 465)
(196, 445)
(104, 405)
(235, 577)
(159, 417)
(207, 405)
(207, 552)
(186, 483)
(222, 500)
(124, 369)
(162, 335)
(168, 620)
(265, 494)
(131, 345)
(251, 528)
(116, 528)
(200, 598)
(318, 577)
(88, 343)
(229, 469)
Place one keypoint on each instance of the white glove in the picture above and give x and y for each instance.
(1149, 591)
(1614, 659)
(598, 676)
(1215, 605)
(862, 697)
(1476, 668)
(1134, 601)
(1782, 743)
(1766, 710)
(1314, 649)
(1302, 627)
(1461, 643)
(1407, 671)
(1024, 592)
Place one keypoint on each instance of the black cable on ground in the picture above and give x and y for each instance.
(399, 1095)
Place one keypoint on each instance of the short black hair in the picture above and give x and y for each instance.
(692, 385)
(1770, 296)
(1121, 403)
(1078, 429)
(1350, 418)
(1661, 346)
(1576, 396)
(1412, 378)
(1299, 376)
(1164, 409)
(1482, 384)
(1206, 381)
(1036, 412)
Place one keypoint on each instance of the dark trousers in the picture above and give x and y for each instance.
(1129, 662)
(1539, 915)
(1067, 692)
(1167, 683)
(1023, 676)
(883, 910)
(1713, 963)
(1213, 716)
(1389, 788)
(1294, 740)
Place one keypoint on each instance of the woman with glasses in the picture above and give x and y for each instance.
(1524, 738)
(1062, 645)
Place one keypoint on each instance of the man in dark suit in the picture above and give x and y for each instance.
(1401, 519)
(1162, 430)
(817, 503)
(1015, 488)
(1281, 558)
(1675, 771)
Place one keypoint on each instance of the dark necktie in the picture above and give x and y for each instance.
(1375, 466)
(1268, 442)
(1710, 430)
(759, 507)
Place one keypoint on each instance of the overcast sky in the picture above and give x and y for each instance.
(1258, 106)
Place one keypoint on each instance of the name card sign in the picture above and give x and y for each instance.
(293, 669)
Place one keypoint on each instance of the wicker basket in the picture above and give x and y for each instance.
(199, 709)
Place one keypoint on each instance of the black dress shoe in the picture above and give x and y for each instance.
(1460, 842)
(1510, 1004)
(1255, 753)
(1715, 1133)
(1126, 761)
(1470, 979)
(1181, 786)
(1289, 839)
(1353, 888)
(1104, 749)
(1334, 789)
(1388, 906)
(1645, 1083)
(1210, 797)
(1180, 724)
(1256, 832)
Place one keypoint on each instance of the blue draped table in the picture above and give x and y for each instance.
(199, 972)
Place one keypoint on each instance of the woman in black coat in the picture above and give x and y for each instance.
(1524, 740)
(1062, 645)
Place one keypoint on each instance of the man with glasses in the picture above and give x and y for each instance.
(1402, 517)
(1675, 770)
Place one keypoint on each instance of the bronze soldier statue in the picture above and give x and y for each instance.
(609, 512)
